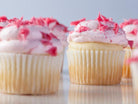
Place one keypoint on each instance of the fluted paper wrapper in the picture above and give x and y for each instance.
(126, 73)
(98, 67)
(29, 74)
(134, 70)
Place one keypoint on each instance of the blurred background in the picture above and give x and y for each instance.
(66, 11)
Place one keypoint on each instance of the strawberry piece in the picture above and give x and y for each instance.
(3, 19)
(134, 31)
(1, 27)
(116, 28)
(50, 20)
(52, 51)
(82, 29)
(44, 42)
(53, 36)
(23, 33)
(46, 36)
(77, 22)
(131, 42)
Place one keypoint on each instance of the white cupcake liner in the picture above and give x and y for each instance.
(95, 66)
(29, 74)
(126, 73)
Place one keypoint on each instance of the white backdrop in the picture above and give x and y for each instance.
(69, 10)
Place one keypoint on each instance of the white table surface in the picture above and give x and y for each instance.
(78, 94)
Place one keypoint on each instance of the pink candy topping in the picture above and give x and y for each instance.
(83, 28)
(131, 22)
(45, 22)
(103, 24)
(23, 33)
(77, 22)
(131, 42)
(3, 19)
(52, 51)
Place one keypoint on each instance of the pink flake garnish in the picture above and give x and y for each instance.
(1, 27)
(116, 28)
(129, 22)
(103, 21)
(3, 19)
(46, 36)
(44, 42)
(102, 27)
(50, 20)
(82, 29)
(77, 22)
(99, 18)
(23, 33)
(53, 36)
(131, 42)
(52, 51)
(38, 21)
(134, 31)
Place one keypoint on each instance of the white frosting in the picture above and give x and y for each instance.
(10, 42)
(95, 35)
(128, 29)
(3, 24)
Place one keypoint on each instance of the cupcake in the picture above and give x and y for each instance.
(130, 27)
(133, 61)
(31, 56)
(55, 28)
(95, 52)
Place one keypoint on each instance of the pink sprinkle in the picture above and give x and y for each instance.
(44, 42)
(134, 32)
(23, 33)
(102, 27)
(46, 36)
(128, 22)
(82, 29)
(1, 27)
(131, 42)
(111, 41)
(53, 36)
(99, 18)
(77, 22)
(50, 20)
(3, 19)
(38, 21)
(104, 18)
(116, 28)
(52, 51)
